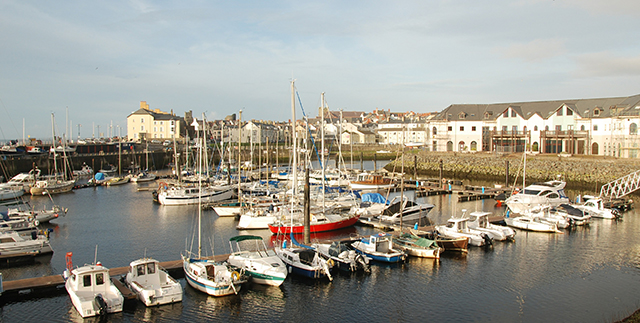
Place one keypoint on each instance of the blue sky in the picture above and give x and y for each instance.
(101, 58)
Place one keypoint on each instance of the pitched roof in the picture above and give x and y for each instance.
(583, 107)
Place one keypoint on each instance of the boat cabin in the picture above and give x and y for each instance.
(378, 242)
(459, 224)
(372, 179)
(145, 270)
(481, 217)
(90, 279)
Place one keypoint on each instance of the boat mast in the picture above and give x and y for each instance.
(53, 145)
(239, 157)
(199, 190)
(295, 146)
(322, 165)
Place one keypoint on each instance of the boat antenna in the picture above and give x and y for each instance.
(95, 256)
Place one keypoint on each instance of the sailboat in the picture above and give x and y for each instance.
(54, 185)
(205, 274)
(119, 180)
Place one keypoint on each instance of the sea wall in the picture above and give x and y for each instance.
(587, 172)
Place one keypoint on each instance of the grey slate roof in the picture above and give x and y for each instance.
(616, 106)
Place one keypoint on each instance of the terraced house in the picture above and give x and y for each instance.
(604, 126)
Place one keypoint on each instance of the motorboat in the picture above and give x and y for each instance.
(479, 220)
(536, 195)
(143, 177)
(258, 218)
(23, 181)
(594, 207)
(379, 247)
(304, 261)
(11, 192)
(457, 227)
(16, 245)
(531, 223)
(185, 195)
(152, 283)
(369, 181)
(262, 264)
(371, 206)
(38, 216)
(409, 212)
(117, 181)
(416, 246)
(91, 290)
(344, 256)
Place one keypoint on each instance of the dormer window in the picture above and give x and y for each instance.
(462, 115)
(596, 111)
(487, 114)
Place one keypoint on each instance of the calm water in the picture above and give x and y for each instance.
(589, 274)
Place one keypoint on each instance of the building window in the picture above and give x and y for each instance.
(450, 128)
(161, 129)
(155, 122)
(506, 113)
(559, 112)
(569, 112)
(461, 128)
(546, 128)
(535, 128)
(474, 146)
(435, 131)
(514, 129)
(504, 128)
(513, 113)
(559, 128)
(141, 128)
(155, 129)
(141, 120)
(595, 127)
(633, 129)
(473, 128)
(582, 128)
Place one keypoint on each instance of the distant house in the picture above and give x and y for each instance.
(147, 124)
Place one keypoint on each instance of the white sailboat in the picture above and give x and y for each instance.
(207, 275)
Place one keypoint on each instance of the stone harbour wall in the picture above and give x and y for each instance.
(588, 172)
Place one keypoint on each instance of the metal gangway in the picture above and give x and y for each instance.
(621, 186)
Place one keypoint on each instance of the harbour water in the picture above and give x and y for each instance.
(587, 274)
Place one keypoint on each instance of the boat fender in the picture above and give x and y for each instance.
(330, 262)
(36, 223)
(235, 276)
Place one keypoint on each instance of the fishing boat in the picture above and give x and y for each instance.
(205, 274)
(344, 256)
(379, 247)
(453, 245)
(91, 290)
(416, 246)
(152, 283)
(262, 264)
(479, 220)
(457, 227)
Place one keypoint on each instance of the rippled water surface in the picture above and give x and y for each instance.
(589, 274)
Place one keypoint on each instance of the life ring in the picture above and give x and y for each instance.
(330, 262)
(235, 276)
(36, 223)
(444, 180)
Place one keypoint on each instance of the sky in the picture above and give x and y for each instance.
(96, 60)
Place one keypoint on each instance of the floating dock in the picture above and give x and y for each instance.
(47, 285)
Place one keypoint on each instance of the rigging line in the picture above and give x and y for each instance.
(309, 130)
(9, 117)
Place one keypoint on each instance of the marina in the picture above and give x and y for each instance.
(585, 274)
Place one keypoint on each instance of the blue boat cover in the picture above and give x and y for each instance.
(99, 176)
(374, 198)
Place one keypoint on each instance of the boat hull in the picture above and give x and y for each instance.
(320, 227)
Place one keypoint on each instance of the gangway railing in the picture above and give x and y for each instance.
(621, 186)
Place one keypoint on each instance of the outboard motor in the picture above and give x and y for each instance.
(364, 262)
(488, 241)
(616, 214)
(101, 304)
